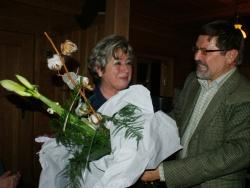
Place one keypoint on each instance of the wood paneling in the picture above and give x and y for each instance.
(16, 135)
(34, 16)
(150, 34)
(64, 6)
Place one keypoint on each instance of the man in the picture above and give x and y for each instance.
(213, 116)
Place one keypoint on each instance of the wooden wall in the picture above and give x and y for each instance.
(154, 41)
(16, 56)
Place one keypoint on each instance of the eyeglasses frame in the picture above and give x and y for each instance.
(205, 51)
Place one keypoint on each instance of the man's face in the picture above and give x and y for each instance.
(211, 65)
(117, 74)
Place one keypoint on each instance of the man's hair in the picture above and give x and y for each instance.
(105, 49)
(228, 37)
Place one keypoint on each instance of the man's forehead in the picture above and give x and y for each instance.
(206, 39)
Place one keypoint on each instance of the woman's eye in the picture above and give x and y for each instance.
(129, 63)
(117, 63)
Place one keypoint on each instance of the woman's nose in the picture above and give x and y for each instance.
(124, 67)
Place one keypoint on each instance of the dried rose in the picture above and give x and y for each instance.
(68, 47)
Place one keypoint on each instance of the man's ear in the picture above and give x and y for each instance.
(231, 56)
(99, 71)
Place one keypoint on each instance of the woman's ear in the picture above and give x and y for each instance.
(99, 71)
(231, 56)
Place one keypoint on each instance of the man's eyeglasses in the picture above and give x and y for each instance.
(205, 51)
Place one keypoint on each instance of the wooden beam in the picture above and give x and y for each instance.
(117, 17)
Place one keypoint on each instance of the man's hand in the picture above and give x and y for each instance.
(151, 175)
(9, 180)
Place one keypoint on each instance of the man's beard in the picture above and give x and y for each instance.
(202, 70)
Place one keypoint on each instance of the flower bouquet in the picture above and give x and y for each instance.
(82, 130)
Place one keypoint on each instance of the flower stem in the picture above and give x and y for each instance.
(82, 92)
(81, 123)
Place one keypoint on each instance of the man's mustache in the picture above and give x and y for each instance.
(198, 62)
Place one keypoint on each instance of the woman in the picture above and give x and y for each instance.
(110, 64)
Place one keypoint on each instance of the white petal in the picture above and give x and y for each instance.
(94, 119)
(50, 111)
(55, 62)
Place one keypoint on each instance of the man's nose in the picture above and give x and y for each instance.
(197, 55)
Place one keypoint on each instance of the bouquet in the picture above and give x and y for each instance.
(82, 130)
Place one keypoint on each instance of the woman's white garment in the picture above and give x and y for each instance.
(127, 161)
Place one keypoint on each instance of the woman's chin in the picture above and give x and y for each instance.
(122, 86)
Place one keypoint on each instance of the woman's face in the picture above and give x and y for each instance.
(117, 74)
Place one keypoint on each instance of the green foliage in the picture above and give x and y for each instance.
(83, 146)
(128, 118)
(86, 148)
